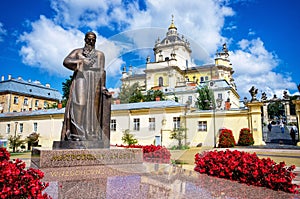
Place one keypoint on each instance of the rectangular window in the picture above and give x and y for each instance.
(21, 127)
(45, 104)
(219, 95)
(136, 124)
(8, 128)
(113, 125)
(35, 126)
(206, 78)
(16, 100)
(190, 99)
(36, 104)
(25, 101)
(202, 125)
(176, 122)
(152, 124)
(201, 79)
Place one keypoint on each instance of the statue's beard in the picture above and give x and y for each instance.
(87, 49)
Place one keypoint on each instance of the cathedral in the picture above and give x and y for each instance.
(173, 73)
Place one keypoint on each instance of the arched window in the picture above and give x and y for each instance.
(160, 81)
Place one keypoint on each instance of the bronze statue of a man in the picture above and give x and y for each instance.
(87, 114)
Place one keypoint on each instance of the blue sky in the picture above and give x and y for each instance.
(262, 37)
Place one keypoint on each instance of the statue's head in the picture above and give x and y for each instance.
(90, 38)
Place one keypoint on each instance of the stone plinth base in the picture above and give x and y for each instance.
(47, 158)
(78, 144)
(146, 181)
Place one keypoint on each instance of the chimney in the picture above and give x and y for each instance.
(2, 78)
(59, 105)
(48, 85)
(9, 77)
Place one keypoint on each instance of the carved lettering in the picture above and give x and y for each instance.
(89, 157)
(75, 173)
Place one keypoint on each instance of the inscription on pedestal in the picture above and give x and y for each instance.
(44, 158)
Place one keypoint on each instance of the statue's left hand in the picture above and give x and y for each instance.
(106, 92)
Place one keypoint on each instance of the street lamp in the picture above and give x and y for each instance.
(15, 137)
(213, 108)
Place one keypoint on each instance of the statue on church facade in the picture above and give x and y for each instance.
(87, 114)
(285, 95)
(253, 92)
(264, 96)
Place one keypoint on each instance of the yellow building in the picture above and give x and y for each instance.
(149, 122)
(173, 72)
(17, 95)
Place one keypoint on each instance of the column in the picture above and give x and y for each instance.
(255, 122)
(265, 113)
(297, 103)
(287, 110)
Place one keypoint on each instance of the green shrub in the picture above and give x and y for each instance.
(128, 138)
(226, 139)
(245, 138)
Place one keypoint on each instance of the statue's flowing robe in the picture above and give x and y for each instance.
(87, 113)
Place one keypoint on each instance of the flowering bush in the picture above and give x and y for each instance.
(247, 168)
(16, 182)
(226, 139)
(245, 138)
(152, 153)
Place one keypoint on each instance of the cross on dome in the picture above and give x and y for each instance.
(172, 26)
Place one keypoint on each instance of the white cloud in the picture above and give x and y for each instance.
(253, 65)
(47, 45)
(253, 58)
(200, 21)
(92, 13)
(251, 32)
(271, 83)
(2, 31)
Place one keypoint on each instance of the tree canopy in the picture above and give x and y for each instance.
(133, 93)
(66, 90)
(205, 99)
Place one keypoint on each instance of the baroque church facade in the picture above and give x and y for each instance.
(173, 73)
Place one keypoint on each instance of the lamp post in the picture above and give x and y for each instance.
(15, 137)
(213, 108)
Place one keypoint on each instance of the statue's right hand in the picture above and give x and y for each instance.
(80, 65)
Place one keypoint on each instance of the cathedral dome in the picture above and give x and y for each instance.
(172, 38)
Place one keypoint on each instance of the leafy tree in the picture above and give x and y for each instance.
(66, 90)
(152, 94)
(128, 91)
(205, 98)
(136, 96)
(51, 106)
(179, 134)
(275, 109)
(15, 142)
(128, 138)
(33, 139)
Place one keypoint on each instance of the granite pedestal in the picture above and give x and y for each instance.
(48, 158)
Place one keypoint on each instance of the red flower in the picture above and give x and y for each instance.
(16, 182)
(152, 153)
(247, 168)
